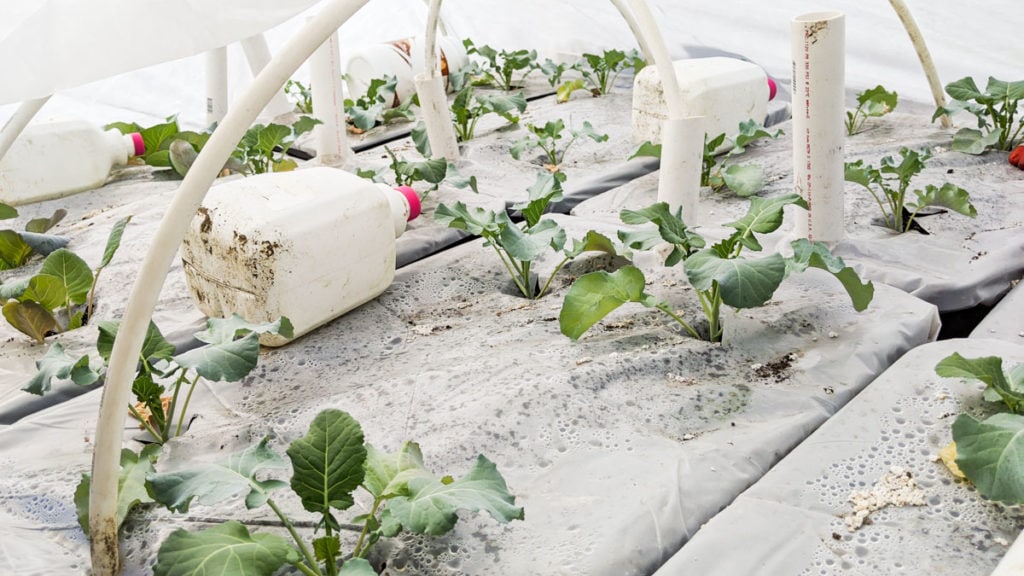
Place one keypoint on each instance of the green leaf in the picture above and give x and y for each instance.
(858, 173)
(433, 170)
(420, 139)
(57, 365)
(564, 92)
(949, 196)
(14, 252)
(988, 369)
(303, 125)
(232, 347)
(30, 319)
(670, 225)
(592, 242)
(971, 141)
(154, 346)
(545, 190)
(743, 283)
(504, 104)
(1002, 90)
(114, 240)
(47, 291)
(750, 131)
(123, 127)
(131, 485)
(7, 212)
(328, 462)
(388, 473)
(534, 242)
(73, 273)
(476, 221)
(764, 216)
(357, 567)
(964, 89)
(456, 179)
(43, 225)
(647, 149)
(745, 180)
(182, 156)
(225, 550)
(224, 330)
(157, 139)
(877, 101)
(595, 295)
(213, 483)
(431, 505)
(991, 455)
(817, 255)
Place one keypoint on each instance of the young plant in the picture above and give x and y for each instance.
(503, 66)
(59, 297)
(467, 108)
(379, 105)
(553, 71)
(518, 246)
(546, 138)
(17, 248)
(158, 139)
(263, 147)
(987, 452)
(301, 95)
(600, 72)
(430, 171)
(229, 353)
(871, 103)
(891, 180)
(743, 179)
(720, 275)
(328, 465)
(997, 109)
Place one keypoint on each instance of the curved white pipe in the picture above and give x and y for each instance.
(634, 27)
(917, 38)
(433, 96)
(146, 290)
(651, 34)
(16, 124)
(818, 42)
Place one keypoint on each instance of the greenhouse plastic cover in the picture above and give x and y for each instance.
(791, 521)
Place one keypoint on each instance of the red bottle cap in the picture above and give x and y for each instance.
(140, 146)
(413, 199)
(773, 89)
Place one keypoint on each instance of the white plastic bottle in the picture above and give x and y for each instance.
(58, 158)
(402, 59)
(310, 245)
(725, 91)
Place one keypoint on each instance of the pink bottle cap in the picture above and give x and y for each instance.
(413, 199)
(140, 146)
(773, 89)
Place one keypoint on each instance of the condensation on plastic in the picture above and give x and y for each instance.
(619, 446)
(790, 521)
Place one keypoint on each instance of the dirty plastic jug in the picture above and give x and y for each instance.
(725, 91)
(402, 59)
(60, 157)
(310, 245)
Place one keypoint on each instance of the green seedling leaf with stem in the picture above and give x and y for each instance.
(17, 248)
(546, 138)
(158, 139)
(600, 71)
(997, 109)
(379, 105)
(328, 465)
(889, 184)
(263, 147)
(431, 171)
(468, 107)
(871, 103)
(720, 274)
(990, 452)
(131, 485)
(301, 95)
(503, 66)
(553, 71)
(743, 179)
(520, 245)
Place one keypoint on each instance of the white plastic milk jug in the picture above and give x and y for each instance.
(725, 91)
(402, 59)
(57, 158)
(310, 245)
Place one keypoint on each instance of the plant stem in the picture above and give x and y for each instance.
(552, 276)
(711, 303)
(145, 424)
(169, 416)
(312, 567)
(359, 551)
(509, 267)
(664, 308)
(524, 276)
(184, 408)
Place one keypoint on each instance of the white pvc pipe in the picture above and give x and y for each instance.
(16, 123)
(257, 52)
(1013, 563)
(329, 104)
(634, 27)
(682, 153)
(818, 43)
(430, 87)
(216, 85)
(917, 39)
(153, 272)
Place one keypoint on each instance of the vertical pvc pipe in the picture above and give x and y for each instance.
(146, 289)
(257, 52)
(329, 104)
(679, 182)
(16, 124)
(917, 39)
(634, 27)
(818, 41)
(433, 96)
(216, 85)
